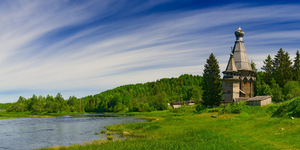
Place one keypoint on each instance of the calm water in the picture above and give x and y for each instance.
(31, 133)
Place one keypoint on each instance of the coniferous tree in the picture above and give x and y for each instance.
(253, 66)
(268, 69)
(296, 67)
(211, 82)
(283, 72)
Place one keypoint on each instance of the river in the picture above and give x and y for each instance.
(32, 133)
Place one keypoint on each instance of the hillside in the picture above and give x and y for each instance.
(148, 96)
(289, 109)
(135, 98)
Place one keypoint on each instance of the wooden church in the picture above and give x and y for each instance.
(238, 78)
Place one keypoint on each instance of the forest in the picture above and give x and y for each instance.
(280, 78)
(139, 97)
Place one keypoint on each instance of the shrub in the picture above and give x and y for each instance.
(102, 131)
(291, 89)
(200, 108)
(110, 138)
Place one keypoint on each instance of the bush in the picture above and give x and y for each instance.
(102, 131)
(291, 89)
(110, 138)
(200, 108)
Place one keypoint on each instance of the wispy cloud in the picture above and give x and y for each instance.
(85, 47)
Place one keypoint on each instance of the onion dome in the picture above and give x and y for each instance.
(239, 32)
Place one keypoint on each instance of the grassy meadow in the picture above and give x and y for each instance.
(232, 127)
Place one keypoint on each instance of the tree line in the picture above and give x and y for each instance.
(139, 97)
(280, 77)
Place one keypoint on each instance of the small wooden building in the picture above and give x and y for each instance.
(241, 99)
(259, 100)
(190, 102)
(177, 104)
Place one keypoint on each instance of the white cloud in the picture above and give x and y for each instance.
(105, 54)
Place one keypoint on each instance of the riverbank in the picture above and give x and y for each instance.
(11, 115)
(253, 128)
(5, 115)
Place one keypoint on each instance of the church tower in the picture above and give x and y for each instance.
(238, 79)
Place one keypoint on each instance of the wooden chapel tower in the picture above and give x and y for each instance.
(238, 79)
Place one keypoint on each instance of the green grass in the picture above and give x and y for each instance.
(289, 109)
(10, 115)
(6, 115)
(236, 127)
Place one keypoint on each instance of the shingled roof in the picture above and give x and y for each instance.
(259, 98)
(231, 65)
(239, 52)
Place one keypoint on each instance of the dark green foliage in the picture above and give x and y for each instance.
(291, 89)
(200, 108)
(282, 64)
(289, 108)
(19, 106)
(4, 105)
(253, 66)
(45, 104)
(276, 91)
(296, 67)
(140, 97)
(211, 82)
(149, 96)
(268, 69)
(160, 101)
(276, 80)
(262, 88)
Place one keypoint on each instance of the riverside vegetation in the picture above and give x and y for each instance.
(236, 126)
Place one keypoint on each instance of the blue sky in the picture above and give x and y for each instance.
(85, 47)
